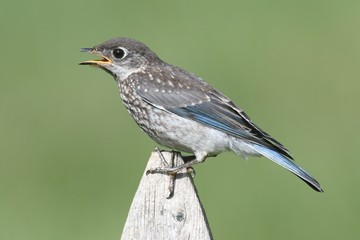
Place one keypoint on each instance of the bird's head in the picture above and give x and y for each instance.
(121, 57)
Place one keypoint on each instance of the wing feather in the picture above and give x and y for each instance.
(188, 96)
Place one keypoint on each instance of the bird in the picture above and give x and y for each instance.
(181, 111)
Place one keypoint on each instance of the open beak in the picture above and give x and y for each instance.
(100, 62)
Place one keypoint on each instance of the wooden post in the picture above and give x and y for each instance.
(154, 216)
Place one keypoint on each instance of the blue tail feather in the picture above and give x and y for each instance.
(288, 164)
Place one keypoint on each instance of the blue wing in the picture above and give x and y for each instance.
(216, 116)
(226, 117)
(197, 100)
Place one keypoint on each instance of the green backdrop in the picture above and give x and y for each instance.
(71, 157)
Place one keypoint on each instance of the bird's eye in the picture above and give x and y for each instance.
(119, 53)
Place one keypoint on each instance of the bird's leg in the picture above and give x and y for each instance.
(166, 164)
(162, 158)
(172, 176)
(173, 170)
(190, 169)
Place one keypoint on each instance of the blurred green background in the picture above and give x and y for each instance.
(71, 158)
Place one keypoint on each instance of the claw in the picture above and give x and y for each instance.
(173, 170)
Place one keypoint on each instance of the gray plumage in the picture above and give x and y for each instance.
(181, 111)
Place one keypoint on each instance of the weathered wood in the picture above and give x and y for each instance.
(154, 216)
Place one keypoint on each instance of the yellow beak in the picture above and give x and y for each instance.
(102, 61)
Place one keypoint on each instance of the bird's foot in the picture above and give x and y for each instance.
(171, 174)
(172, 170)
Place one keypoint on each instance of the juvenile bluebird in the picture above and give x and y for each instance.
(179, 110)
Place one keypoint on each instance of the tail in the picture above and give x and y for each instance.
(288, 164)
